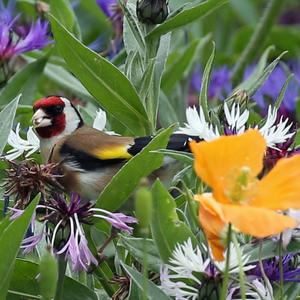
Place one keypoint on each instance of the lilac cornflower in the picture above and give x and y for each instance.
(63, 229)
(291, 271)
(14, 41)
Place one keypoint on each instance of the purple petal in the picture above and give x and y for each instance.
(29, 243)
(16, 213)
(106, 6)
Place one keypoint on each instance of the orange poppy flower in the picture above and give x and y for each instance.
(230, 165)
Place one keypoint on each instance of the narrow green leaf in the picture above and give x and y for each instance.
(167, 229)
(7, 116)
(282, 92)
(11, 240)
(23, 82)
(137, 246)
(265, 74)
(203, 97)
(167, 113)
(181, 66)
(184, 157)
(147, 80)
(133, 36)
(245, 85)
(62, 11)
(103, 80)
(152, 291)
(141, 165)
(160, 62)
(186, 16)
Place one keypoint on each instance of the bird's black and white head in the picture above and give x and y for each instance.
(54, 118)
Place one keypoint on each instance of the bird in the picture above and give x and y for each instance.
(87, 158)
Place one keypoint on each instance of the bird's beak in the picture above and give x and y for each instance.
(41, 119)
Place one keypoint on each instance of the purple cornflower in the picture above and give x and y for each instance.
(113, 11)
(14, 41)
(220, 83)
(63, 229)
(291, 272)
(271, 88)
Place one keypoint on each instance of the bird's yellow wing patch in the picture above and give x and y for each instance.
(112, 152)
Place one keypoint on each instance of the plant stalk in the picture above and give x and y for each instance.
(226, 273)
(62, 265)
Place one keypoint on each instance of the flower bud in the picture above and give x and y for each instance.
(152, 11)
(143, 210)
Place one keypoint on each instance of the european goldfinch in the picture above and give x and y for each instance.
(88, 157)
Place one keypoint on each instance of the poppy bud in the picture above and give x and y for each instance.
(152, 11)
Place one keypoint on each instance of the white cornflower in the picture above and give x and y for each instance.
(235, 119)
(261, 291)
(234, 261)
(100, 122)
(264, 291)
(20, 145)
(275, 133)
(185, 260)
(197, 126)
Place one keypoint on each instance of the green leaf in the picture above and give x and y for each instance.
(103, 80)
(24, 82)
(203, 97)
(167, 113)
(245, 85)
(167, 229)
(160, 61)
(265, 74)
(62, 11)
(146, 286)
(282, 92)
(181, 66)
(7, 116)
(24, 281)
(141, 165)
(10, 242)
(184, 157)
(185, 17)
(139, 247)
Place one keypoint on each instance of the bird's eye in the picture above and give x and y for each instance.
(54, 110)
(58, 108)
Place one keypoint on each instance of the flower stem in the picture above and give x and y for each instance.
(263, 28)
(226, 273)
(241, 271)
(62, 265)
(280, 266)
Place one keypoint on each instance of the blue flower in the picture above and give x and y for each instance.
(291, 272)
(12, 42)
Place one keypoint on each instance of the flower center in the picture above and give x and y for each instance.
(242, 185)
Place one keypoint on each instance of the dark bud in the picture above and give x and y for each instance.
(152, 11)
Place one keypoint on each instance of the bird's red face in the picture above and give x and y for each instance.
(54, 116)
(49, 118)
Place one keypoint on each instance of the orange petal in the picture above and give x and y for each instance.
(218, 161)
(212, 224)
(258, 222)
(280, 189)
